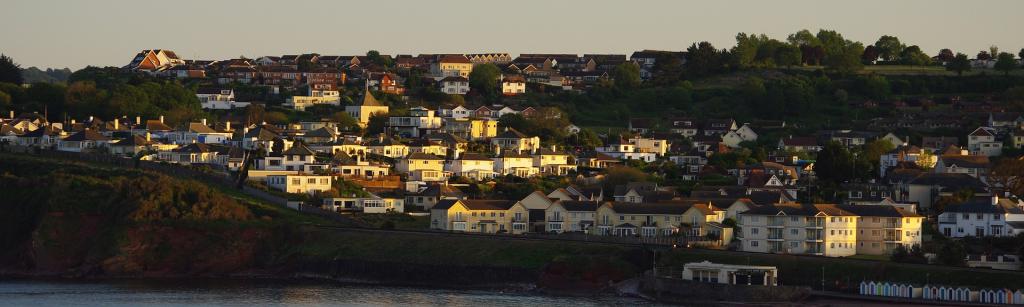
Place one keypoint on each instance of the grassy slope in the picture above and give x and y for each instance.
(436, 249)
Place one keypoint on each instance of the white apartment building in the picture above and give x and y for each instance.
(981, 217)
(827, 230)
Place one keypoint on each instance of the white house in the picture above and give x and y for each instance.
(994, 216)
(82, 141)
(455, 85)
(627, 152)
(218, 99)
(299, 183)
(982, 141)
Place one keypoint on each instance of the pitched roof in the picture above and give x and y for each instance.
(86, 135)
(157, 125)
(476, 204)
(195, 148)
(200, 128)
(422, 156)
(984, 205)
(474, 156)
(262, 133)
(800, 141)
(298, 149)
(511, 133)
(323, 132)
(651, 208)
(455, 59)
(133, 140)
(573, 205)
(878, 210)
(965, 161)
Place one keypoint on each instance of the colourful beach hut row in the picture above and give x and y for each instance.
(941, 293)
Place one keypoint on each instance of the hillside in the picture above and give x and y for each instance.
(80, 220)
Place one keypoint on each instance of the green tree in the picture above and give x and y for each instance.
(375, 57)
(803, 38)
(703, 60)
(1005, 63)
(485, 79)
(787, 56)
(889, 48)
(586, 139)
(874, 151)
(344, 120)
(668, 69)
(513, 120)
(835, 163)
(841, 55)
(376, 124)
(5, 102)
(875, 87)
(275, 117)
(10, 72)
(48, 97)
(959, 64)
(914, 56)
(626, 75)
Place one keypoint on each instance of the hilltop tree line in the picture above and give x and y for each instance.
(103, 92)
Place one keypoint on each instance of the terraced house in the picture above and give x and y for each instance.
(483, 216)
(644, 219)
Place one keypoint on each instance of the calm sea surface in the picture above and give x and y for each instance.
(267, 293)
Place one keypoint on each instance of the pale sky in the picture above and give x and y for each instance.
(73, 33)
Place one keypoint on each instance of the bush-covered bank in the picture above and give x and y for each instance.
(70, 219)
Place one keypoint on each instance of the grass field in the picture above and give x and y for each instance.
(443, 248)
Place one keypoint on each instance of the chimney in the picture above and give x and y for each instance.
(161, 118)
(995, 199)
(227, 125)
(554, 148)
(148, 137)
(90, 119)
(12, 114)
(204, 122)
(117, 124)
(72, 121)
(497, 150)
(138, 120)
(380, 138)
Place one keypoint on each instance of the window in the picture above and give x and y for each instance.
(753, 243)
(753, 231)
(793, 231)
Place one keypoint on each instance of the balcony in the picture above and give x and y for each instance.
(892, 224)
(815, 223)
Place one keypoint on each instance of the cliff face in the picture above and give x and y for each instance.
(68, 219)
(85, 246)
